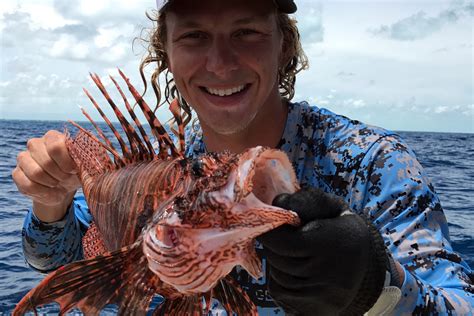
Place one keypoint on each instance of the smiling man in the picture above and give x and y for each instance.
(225, 61)
(373, 235)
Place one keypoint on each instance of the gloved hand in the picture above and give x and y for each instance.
(332, 264)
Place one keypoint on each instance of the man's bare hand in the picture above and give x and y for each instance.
(47, 174)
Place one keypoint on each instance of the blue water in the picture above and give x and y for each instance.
(447, 159)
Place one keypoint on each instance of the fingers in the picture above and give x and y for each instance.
(298, 267)
(285, 241)
(55, 143)
(343, 234)
(308, 271)
(281, 200)
(311, 204)
(33, 171)
(290, 281)
(37, 150)
(36, 191)
(292, 241)
(45, 172)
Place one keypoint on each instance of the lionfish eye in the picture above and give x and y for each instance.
(197, 168)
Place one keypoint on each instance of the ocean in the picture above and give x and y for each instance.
(446, 157)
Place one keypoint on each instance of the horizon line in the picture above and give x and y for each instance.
(117, 122)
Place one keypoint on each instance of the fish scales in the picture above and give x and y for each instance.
(164, 224)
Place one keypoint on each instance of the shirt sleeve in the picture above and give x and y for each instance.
(47, 246)
(392, 189)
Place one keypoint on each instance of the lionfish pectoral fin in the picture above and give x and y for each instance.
(233, 298)
(89, 285)
(251, 263)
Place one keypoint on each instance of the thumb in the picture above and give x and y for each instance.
(311, 204)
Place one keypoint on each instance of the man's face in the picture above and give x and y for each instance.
(224, 56)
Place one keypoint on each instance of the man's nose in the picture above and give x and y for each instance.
(222, 58)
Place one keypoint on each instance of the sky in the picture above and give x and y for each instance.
(399, 64)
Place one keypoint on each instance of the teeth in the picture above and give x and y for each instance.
(225, 92)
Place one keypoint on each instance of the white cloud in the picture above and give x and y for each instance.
(420, 25)
(441, 109)
(359, 104)
(46, 17)
(69, 47)
(93, 7)
(469, 112)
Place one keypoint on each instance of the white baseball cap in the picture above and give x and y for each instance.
(285, 6)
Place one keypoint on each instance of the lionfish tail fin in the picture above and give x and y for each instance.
(120, 277)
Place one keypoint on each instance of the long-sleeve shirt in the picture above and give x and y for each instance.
(371, 168)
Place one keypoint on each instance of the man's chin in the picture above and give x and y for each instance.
(229, 130)
(230, 127)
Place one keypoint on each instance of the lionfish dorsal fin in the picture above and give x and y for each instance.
(176, 111)
(139, 147)
(165, 142)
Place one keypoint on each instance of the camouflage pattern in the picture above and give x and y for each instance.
(372, 169)
(47, 246)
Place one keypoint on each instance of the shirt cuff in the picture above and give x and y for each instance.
(410, 292)
(53, 225)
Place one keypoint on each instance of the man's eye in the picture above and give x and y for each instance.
(245, 32)
(194, 35)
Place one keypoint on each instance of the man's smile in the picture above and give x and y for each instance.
(226, 96)
(224, 92)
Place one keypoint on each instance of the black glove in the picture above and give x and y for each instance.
(329, 265)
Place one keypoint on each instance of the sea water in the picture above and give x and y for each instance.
(447, 159)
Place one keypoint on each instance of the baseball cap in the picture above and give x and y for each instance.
(285, 6)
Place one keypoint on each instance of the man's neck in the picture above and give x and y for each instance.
(265, 130)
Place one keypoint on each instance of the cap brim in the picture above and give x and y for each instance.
(285, 6)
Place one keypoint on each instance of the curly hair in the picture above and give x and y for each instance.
(293, 61)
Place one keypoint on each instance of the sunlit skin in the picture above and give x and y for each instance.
(229, 45)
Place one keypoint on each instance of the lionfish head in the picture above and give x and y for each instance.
(202, 235)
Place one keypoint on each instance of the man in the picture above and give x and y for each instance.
(382, 245)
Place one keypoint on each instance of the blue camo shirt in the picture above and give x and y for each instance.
(371, 168)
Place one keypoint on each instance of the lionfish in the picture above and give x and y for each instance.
(164, 224)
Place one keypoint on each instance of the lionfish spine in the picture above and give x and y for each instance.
(126, 152)
(123, 121)
(176, 110)
(133, 138)
(150, 152)
(141, 148)
(157, 129)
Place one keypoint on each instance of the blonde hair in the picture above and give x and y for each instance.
(293, 61)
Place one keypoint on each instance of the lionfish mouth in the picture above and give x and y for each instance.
(241, 210)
